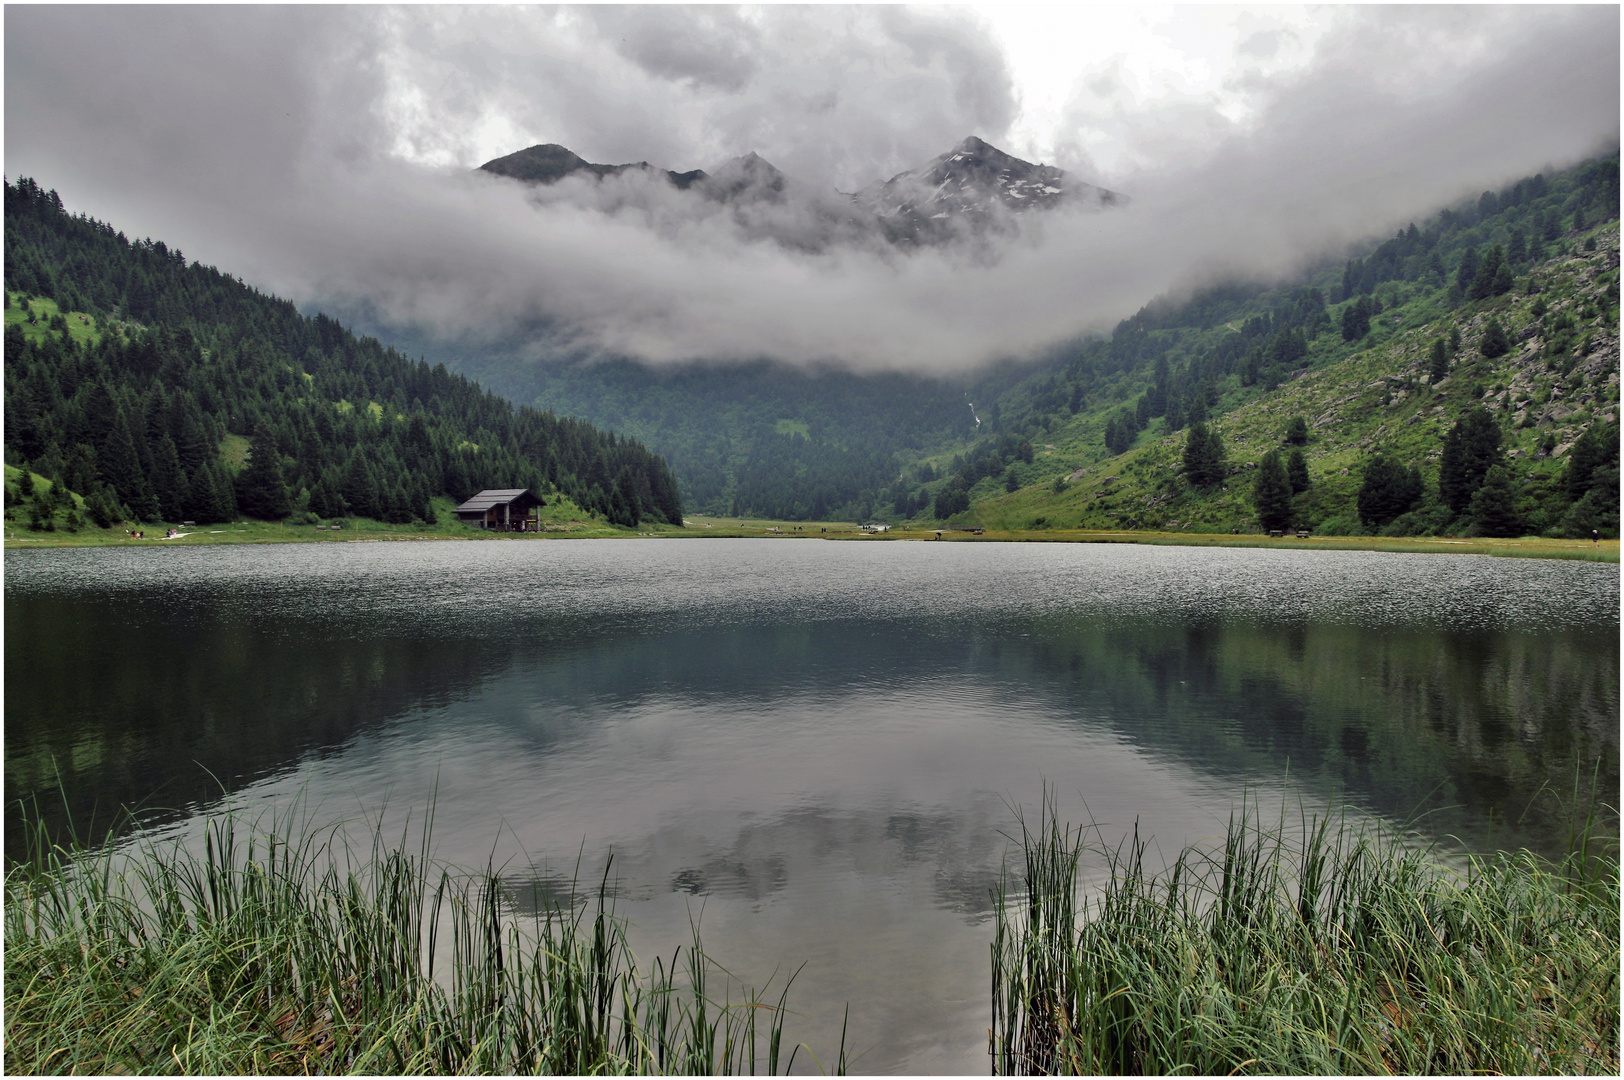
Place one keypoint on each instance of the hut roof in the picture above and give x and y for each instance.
(492, 497)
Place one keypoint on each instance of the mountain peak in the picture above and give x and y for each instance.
(548, 163)
(974, 183)
(971, 189)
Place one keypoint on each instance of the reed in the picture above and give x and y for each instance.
(1326, 950)
(279, 949)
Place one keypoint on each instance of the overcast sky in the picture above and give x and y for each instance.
(324, 153)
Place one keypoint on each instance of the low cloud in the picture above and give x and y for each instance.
(283, 145)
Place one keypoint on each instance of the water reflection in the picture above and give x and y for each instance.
(814, 749)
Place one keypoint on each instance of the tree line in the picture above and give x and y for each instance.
(186, 361)
(1475, 492)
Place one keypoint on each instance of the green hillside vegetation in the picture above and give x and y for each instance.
(760, 440)
(160, 391)
(1499, 319)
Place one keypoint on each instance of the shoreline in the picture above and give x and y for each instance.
(1607, 551)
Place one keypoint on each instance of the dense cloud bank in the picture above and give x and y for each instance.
(326, 154)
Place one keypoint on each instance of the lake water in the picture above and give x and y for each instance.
(816, 749)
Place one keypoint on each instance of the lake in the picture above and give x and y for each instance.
(817, 750)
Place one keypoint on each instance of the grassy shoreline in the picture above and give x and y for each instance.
(1328, 950)
(366, 531)
(1324, 950)
(282, 950)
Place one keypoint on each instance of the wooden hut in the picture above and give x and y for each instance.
(503, 509)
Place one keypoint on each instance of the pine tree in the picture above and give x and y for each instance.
(1483, 280)
(360, 489)
(1356, 319)
(1597, 447)
(1494, 506)
(1297, 472)
(1503, 280)
(1471, 448)
(261, 490)
(1465, 274)
(1389, 489)
(1271, 493)
(168, 480)
(1495, 342)
(1297, 432)
(623, 505)
(1203, 456)
(1439, 361)
(120, 461)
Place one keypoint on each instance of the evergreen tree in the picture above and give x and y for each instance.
(360, 489)
(101, 508)
(121, 464)
(325, 500)
(1439, 361)
(168, 480)
(1297, 472)
(1297, 432)
(209, 495)
(1483, 281)
(952, 499)
(1494, 507)
(1356, 319)
(1271, 493)
(1495, 342)
(1471, 448)
(1011, 482)
(1597, 447)
(1389, 489)
(1203, 456)
(261, 490)
(1504, 282)
(623, 508)
(1465, 275)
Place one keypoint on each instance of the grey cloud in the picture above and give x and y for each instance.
(711, 47)
(1263, 44)
(267, 151)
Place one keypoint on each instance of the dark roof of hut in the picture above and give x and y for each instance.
(494, 497)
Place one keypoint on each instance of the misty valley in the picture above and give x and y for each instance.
(879, 539)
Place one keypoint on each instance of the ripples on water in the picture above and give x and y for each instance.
(815, 745)
(489, 587)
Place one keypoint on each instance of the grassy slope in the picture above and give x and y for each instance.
(1354, 406)
(82, 328)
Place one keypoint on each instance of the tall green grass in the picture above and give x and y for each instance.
(1327, 949)
(281, 950)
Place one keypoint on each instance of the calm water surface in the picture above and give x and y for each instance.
(813, 748)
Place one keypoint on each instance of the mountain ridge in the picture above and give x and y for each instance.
(968, 192)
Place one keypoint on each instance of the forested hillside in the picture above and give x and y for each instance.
(162, 390)
(759, 439)
(1479, 350)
